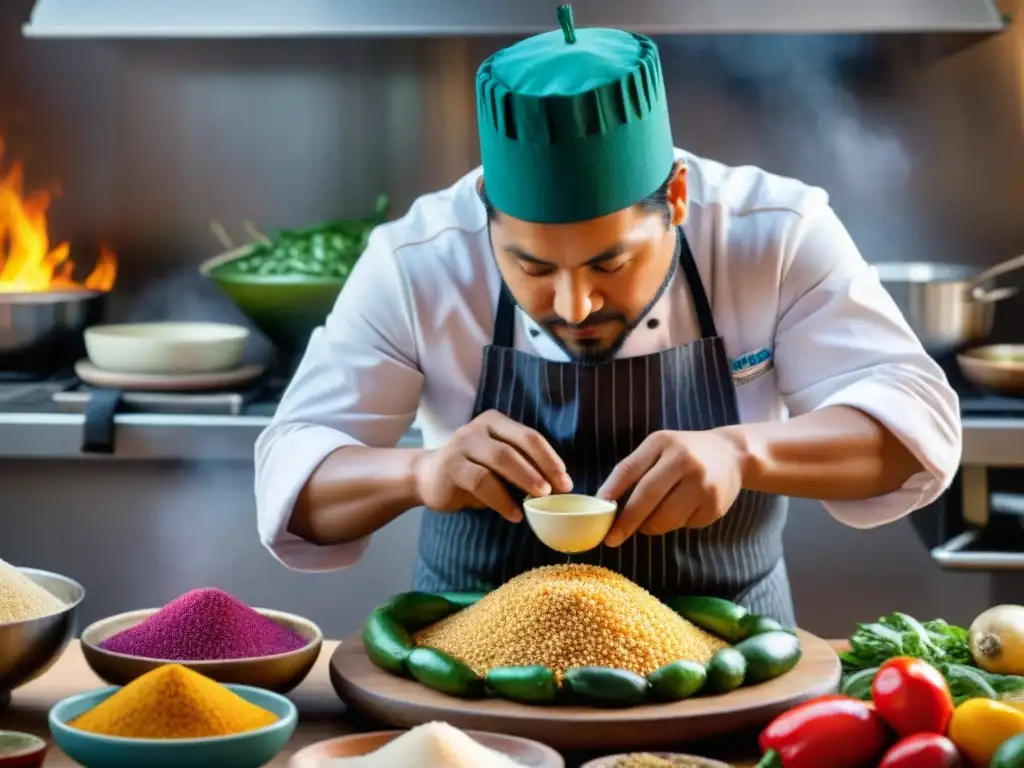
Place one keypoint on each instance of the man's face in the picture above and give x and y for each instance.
(589, 284)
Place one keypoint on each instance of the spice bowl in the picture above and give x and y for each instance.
(30, 647)
(570, 522)
(21, 750)
(242, 750)
(679, 760)
(527, 753)
(280, 673)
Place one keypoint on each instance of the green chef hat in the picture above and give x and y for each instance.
(573, 124)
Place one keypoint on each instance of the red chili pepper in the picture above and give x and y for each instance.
(922, 750)
(912, 696)
(834, 731)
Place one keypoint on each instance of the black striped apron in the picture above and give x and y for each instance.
(594, 416)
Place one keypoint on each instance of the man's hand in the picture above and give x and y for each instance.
(679, 480)
(468, 471)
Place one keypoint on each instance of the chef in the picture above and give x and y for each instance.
(595, 310)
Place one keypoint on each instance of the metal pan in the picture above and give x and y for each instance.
(948, 306)
(43, 331)
(998, 368)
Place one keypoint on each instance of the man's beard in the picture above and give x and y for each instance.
(589, 353)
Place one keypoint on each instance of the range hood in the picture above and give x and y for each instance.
(426, 18)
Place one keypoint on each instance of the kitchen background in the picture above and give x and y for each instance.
(917, 138)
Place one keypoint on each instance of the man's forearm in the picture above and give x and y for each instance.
(354, 492)
(835, 454)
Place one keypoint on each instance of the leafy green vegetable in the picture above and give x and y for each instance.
(943, 645)
(326, 250)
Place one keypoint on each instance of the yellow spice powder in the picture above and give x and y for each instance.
(566, 616)
(173, 702)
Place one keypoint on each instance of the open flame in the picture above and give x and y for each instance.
(27, 262)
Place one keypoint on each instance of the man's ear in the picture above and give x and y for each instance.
(676, 197)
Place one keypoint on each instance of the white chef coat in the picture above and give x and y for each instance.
(407, 334)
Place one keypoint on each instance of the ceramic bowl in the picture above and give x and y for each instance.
(242, 750)
(529, 754)
(174, 348)
(281, 672)
(692, 761)
(29, 648)
(21, 750)
(570, 522)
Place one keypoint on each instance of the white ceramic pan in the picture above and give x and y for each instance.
(166, 348)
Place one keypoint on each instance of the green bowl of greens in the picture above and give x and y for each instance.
(286, 284)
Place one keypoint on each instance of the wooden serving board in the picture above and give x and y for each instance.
(406, 703)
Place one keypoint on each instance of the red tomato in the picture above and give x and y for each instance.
(922, 750)
(912, 697)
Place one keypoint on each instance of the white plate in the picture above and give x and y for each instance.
(167, 348)
(92, 374)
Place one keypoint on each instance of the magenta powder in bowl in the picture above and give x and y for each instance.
(205, 625)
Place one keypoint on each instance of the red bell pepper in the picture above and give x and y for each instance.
(834, 731)
(922, 750)
(912, 697)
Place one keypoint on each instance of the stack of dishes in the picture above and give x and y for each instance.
(167, 357)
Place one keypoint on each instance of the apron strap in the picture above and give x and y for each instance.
(701, 305)
(505, 318)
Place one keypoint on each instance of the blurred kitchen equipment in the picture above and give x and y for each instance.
(213, 381)
(166, 348)
(43, 330)
(995, 367)
(947, 305)
(285, 308)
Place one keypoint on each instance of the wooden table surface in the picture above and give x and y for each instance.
(321, 714)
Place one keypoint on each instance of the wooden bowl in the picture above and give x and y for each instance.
(279, 673)
(608, 761)
(531, 754)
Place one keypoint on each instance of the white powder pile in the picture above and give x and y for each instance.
(431, 745)
(21, 598)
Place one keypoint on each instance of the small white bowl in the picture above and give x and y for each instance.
(166, 348)
(570, 522)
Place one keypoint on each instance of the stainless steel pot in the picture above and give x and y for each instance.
(947, 305)
(43, 331)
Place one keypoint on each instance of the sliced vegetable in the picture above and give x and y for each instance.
(437, 670)
(980, 726)
(605, 687)
(415, 610)
(1010, 753)
(922, 750)
(912, 697)
(725, 671)
(769, 655)
(530, 685)
(718, 616)
(997, 640)
(834, 731)
(387, 644)
(678, 679)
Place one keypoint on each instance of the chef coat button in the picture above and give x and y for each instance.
(534, 332)
(653, 323)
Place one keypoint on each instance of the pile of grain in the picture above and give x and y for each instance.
(648, 760)
(566, 616)
(22, 599)
(431, 745)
